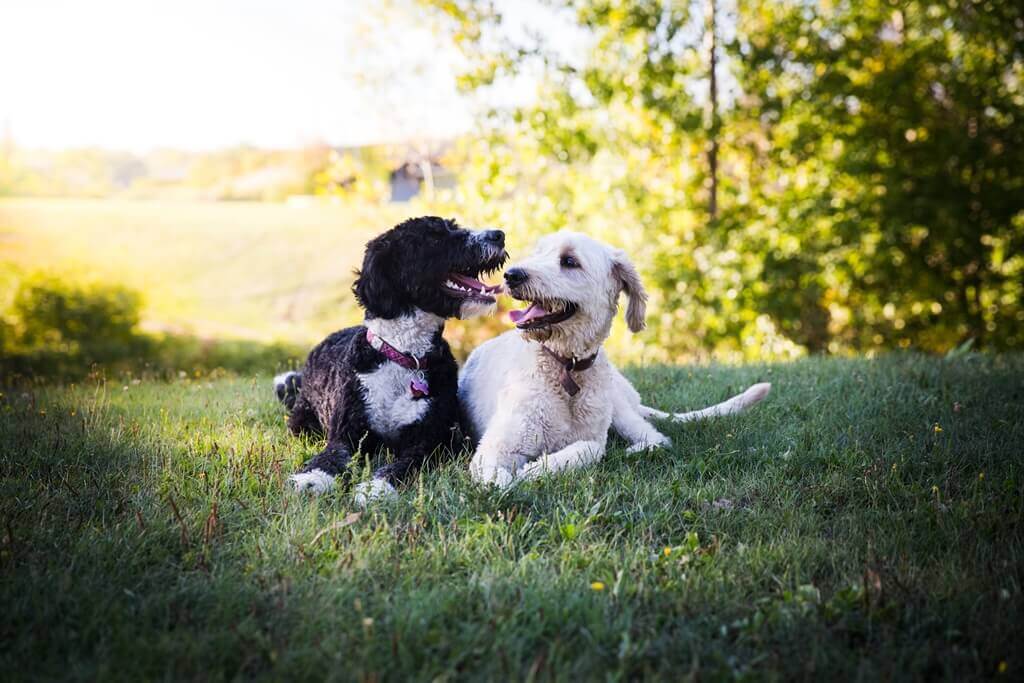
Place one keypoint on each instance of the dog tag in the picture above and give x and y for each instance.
(418, 386)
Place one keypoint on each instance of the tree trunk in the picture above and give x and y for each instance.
(713, 126)
(427, 169)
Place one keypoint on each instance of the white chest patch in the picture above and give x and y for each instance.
(389, 402)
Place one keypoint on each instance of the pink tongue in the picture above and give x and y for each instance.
(473, 283)
(466, 280)
(534, 311)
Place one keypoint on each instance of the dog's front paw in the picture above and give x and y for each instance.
(314, 481)
(661, 441)
(371, 491)
(287, 386)
(535, 468)
(498, 476)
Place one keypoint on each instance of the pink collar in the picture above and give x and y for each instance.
(394, 355)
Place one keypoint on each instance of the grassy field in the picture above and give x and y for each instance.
(250, 286)
(238, 270)
(863, 523)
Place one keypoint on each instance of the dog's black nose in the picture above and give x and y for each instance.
(515, 277)
(494, 237)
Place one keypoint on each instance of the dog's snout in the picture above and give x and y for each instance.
(494, 237)
(515, 277)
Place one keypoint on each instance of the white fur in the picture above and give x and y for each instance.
(368, 492)
(412, 334)
(314, 481)
(736, 404)
(510, 389)
(281, 379)
(471, 308)
(389, 402)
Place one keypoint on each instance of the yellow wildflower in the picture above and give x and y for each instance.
(937, 428)
(667, 551)
(1003, 666)
(597, 586)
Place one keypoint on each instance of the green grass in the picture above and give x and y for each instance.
(864, 522)
(240, 270)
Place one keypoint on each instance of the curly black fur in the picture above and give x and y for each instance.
(401, 274)
(404, 266)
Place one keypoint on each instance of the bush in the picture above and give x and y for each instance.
(97, 322)
(61, 330)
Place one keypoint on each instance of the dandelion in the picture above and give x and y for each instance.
(937, 428)
(667, 551)
(597, 586)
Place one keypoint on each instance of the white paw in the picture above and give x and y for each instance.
(491, 474)
(534, 469)
(498, 476)
(371, 491)
(314, 481)
(661, 441)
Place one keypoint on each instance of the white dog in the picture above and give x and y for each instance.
(541, 399)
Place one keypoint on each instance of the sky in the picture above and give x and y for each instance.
(202, 74)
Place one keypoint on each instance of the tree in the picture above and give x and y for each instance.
(908, 118)
(865, 182)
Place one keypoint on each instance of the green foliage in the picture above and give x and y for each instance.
(237, 173)
(52, 314)
(897, 131)
(870, 185)
(862, 523)
(55, 329)
(356, 174)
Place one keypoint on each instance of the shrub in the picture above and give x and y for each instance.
(59, 330)
(96, 322)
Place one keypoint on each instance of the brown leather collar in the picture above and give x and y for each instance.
(571, 365)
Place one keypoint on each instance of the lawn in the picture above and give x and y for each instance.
(240, 270)
(864, 522)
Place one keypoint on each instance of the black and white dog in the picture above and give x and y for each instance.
(391, 383)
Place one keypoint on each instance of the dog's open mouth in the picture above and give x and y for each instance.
(464, 286)
(463, 283)
(542, 314)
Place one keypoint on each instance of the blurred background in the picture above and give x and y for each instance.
(188, 186)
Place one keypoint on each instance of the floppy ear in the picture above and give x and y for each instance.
(629, 281)
(374, 287)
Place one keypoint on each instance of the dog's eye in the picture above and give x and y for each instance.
(569, 261)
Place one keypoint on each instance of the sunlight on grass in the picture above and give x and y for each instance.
(254, 271)
(832, 525)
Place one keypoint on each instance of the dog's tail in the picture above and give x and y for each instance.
(736, 404)
(287, 386)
